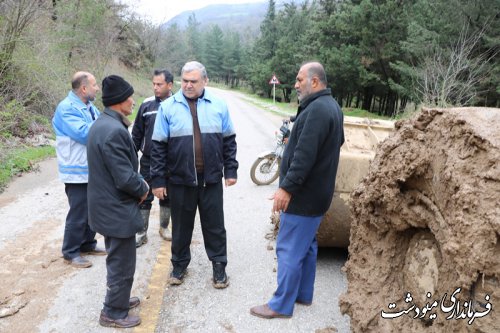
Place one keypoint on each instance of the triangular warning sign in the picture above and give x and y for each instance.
(274, 80)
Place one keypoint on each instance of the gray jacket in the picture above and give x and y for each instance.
(115, 187)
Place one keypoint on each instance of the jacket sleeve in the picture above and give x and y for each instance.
(311, 134)
(229, 146)
(159, 150)
(71, 122)
(116, 156)
(138, 129)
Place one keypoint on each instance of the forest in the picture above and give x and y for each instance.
(382, 56)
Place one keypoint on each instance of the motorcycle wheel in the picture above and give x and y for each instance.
(265, 170)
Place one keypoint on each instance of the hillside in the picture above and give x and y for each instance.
(242, 18)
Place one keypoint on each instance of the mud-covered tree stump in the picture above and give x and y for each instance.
(426, 221)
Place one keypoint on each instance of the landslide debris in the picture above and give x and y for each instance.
(426, 221)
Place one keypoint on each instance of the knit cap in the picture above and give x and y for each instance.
(115, 90)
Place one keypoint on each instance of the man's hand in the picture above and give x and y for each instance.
(145, 195)
(281, 200)
(230, 181)
(160, 192)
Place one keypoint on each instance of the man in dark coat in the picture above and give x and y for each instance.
(115, 190)
(307, 182)
(142, 132)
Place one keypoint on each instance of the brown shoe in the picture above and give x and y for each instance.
(79, 262)
(264, 311)
(97, 251)
(303, 302)
(133, 302)
(128, 321)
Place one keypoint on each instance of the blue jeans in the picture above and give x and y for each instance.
(296, 249)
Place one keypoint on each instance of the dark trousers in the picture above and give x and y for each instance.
(144, 170)
(184, 201)
(78, 237)
(120, 265)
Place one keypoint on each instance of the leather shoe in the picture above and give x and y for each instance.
(264, 311)
(303, 302)
(78, 261)
(128, 321)
(97, 251)
(133, 302)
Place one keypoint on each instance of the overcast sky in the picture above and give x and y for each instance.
(159, 11)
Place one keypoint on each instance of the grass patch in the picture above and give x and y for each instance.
(290, 109)
(22, 160)
(351, 112)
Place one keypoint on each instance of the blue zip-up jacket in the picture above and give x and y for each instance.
(172, 156)
(71, 123)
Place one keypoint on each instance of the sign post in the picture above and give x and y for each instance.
(274, 81)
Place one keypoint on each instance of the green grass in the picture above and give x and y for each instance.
(22, 160)
(351, 112)
(290, 109)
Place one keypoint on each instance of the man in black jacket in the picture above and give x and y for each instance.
(306, 186)
(115, 191)
(142, 131)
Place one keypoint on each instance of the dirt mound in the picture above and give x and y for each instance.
(426, 222)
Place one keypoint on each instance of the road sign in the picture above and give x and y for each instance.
(274, 80)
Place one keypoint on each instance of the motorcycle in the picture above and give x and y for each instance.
(266, 168)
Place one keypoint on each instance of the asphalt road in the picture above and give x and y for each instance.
(58, 298)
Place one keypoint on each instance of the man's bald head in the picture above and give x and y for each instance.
(84, 85)
(79, 79)
(315, 69)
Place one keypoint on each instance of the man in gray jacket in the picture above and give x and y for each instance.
(115, 191)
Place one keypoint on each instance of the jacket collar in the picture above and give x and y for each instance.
(78, 102)
(118, 116)
(312, 97)
(179, 96)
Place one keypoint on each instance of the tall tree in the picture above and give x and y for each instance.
(214, 53)
(194, 46)
(232, 69)
(172, 46)
(264, 50)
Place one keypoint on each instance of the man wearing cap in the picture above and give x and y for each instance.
(72, 121)
(115, 191)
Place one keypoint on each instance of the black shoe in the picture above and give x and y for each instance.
(220, 280)
(177, 276)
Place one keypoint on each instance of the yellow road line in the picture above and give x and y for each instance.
(151, 306)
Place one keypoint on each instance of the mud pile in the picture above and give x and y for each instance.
(426, 222)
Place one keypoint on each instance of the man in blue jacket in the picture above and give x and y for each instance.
(306, 186)
(194, 147)
(72, 121)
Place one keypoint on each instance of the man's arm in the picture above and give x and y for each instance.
(311, 136)
(138, 128)
(229, 149)
(159, 150)
(71, 122)
(116, 156)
